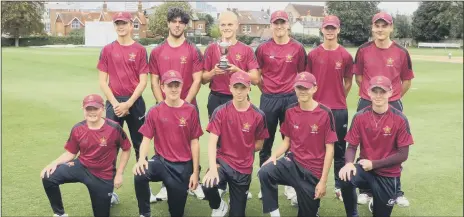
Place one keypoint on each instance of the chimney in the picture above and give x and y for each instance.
(268, 11)
(139, 7)
(234, 10)
(217, 18)
(105, 7)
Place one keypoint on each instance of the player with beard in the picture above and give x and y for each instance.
(179, 54)
(387, 58)
(280, 59)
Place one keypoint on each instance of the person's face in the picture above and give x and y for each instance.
(280, 28)
(123, 28)
(381, 30)
(93, 114)
(379, 96)
(239, 92)
(228, 27)
(305, 94)
(172, 90)
(176, 27)
(330, 32)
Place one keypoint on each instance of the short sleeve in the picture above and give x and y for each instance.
(404, 137)
(302, 59)
(197, 60)
(309, 65)
(148, 127)
(348, 73)
(261, 129)
(215, 122)
(259, 55)
(358, 67)
(285, 128)
(153, 64)
(252, 62)
(196, 130)
(406, 68)
(208, 58)
(143, 62)
(330, 134)
(103, 61)
(353, 136)
(122, 140)
(72, 145)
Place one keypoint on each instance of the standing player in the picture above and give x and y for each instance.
(309, 135)
(332, 66)
(97, 141)
(241, 126)
(383, 134)
(123, 77)
(179, 54)
(240, 57)
(175, 126)
(280, 59)
(383, 57)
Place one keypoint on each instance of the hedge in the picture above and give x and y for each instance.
(43, 40)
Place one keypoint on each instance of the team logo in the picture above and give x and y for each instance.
(302, 77)
(172, 74)
(240, 77)
(90, 98)
(296, 126)
(103, 141)
(289, 58)
(238, 57)
(390, 62)
(182, 122)
(183, 59)
(338, 65)
(246, 127)
(119, 14)
(379, 80)
(132, 56)
(387, 131)
(314, 128)
(70, 164)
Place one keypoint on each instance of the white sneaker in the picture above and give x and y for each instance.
(260, 195)
(152, 197)
(56, 215)
(162, 194)
(114, 198)
(371, 206)
(289, 192)
(294, 201)
(249, 195)
(338, 194)
(364, 199)
(221, 211)
(402, 201)
(198, 192)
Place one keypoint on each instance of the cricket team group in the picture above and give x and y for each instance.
(304, 93)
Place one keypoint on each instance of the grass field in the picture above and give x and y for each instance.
(42, 91)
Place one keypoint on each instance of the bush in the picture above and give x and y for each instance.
(43, 40)
(149, 41)
(204, 40)
(246, 39)
(308, 40)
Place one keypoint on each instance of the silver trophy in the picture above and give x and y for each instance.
(224, 49)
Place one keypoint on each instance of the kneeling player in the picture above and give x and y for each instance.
(241, 126)
(309, 132)
(384, 136)
(97, 140)
(175, 126)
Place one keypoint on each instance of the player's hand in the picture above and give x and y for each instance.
(271, 159)
(48, 170)
(218, 71)
(140, 167)
(211, 178)
(193, 184)
(118, 181)
(366, 164)
(321, 188)
(233, 68)
(122, 109)
(345, 172)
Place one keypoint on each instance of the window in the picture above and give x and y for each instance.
(136, 24)
(246, 28)
(75, 24)
(200, 26)
(136, 36)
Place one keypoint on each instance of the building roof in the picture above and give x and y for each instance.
(253, 17)
(68, 16)
(314, 10)
(311, 24)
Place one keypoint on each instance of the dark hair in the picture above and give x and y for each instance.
(176, 12)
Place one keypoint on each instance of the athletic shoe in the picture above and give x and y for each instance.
(402, 201)
(197, 192)
(363, 199)
(289, 192)
(338, 194)
(114, 199)
(152, 197)
(249, 195)
(294, 201)
(260, 195)
(221, 211)
(162, 194)
(371, 206)
(56, 215)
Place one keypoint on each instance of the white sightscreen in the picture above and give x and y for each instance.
(99, 33)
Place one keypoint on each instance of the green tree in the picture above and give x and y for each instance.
(403, 26)
(355, 17)
(209, 21)
(77, 32)
(214, 32)
(158, 23)
(22, 18)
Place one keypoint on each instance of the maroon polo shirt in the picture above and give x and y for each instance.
(124, 64)
(280, 64)
(330, 67)
(309, 132)
(98, 149)
(238, 132)
(391, 133)
(240, 54)
(186, 59)
(393, 62)
(173, 130)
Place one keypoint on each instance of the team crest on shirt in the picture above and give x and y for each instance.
(387, 131)
(314, 128)
(238, 57)
(289, 58)
(390, 62)
(132, 56)
(103, 141)
(183, 60)
(182, 122)
(338, 65)
(246, 127)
